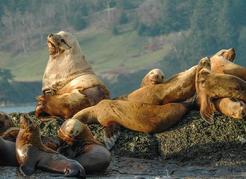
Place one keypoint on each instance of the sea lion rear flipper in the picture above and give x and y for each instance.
(26, 170)
(111, 134)
(206, 109)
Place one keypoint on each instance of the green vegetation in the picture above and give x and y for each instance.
(121, 38)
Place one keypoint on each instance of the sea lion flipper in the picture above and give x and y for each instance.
(207, 109)
(26, 170)
(111, 134)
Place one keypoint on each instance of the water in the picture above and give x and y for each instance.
(21, 109)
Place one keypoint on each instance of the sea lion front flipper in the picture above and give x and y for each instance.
(27, 168)
(206, 109)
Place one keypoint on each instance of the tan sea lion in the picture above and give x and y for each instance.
(134, 115)
(211, 86)
(32, 154)
(232, 108)
(154, 76)
(178, 88)
(7, 153)
(69, 83)
(5, 122)
(222, 62)
(83, 147)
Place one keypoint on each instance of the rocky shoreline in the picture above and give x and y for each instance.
(191, 148)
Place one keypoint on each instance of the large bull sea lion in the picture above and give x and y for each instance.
(211, 86)
(83, 147)
(69, 83)
(32, 154)
(178, 88)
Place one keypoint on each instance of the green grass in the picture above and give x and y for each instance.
(103, 50)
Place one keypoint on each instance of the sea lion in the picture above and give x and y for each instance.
(8, 154)
(222, 62)
(211, 86)
(69, 83)
(154, 76)
(134, 115)
(5, 122)
(178, 88)
(83, 147)
(232, 108)
(32, 154)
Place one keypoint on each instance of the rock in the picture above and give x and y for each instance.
(193, 139)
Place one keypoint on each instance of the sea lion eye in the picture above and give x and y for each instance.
(63, 41)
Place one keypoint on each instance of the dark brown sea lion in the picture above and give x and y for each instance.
(83, 147)
(134, 115)
(153, 77)
(7, 153)
(69, 83)
(32, 154)
(179, 88)
(5, 122)
(222, 62)
(211, 86)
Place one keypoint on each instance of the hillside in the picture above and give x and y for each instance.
(108, 55)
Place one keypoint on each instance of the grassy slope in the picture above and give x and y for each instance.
(103, 50)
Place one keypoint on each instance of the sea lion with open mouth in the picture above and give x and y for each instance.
(69, 83)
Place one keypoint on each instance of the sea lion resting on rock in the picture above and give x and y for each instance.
(134, 115)
(69, 84)
(83, 147)
(5, 122)
(32, 154)
(211, 86)
(154, 76)
(179, 88)
(222, 62)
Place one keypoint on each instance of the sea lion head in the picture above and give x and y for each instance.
(204, 63)
(71, 130)
(228, 54)
(238, 110)
(60, 42)
(27, 124)
(5, 122)
(156, 76)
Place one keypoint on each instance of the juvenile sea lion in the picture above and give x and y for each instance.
(5, 122)
(211, 86)
(134, 115)
(232, 108)
(154, 76)
(32, 154)
(178, 88)
(83, 147)
(222, 62)
(69, 83)
(8, 154)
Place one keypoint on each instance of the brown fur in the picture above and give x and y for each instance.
(222, 62)
(69, 84)
(8, 154)
(133, 115)
(83, 147)
(179, 88)
(153, 77)
(32, 154)
(5, 122)
(210, 86)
